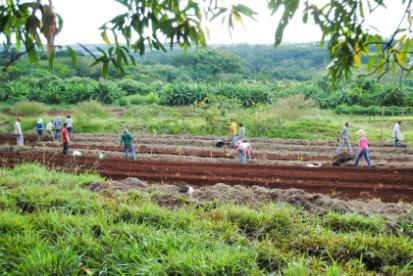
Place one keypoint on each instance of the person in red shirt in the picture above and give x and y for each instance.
(65, 139)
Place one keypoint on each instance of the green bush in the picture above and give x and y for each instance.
(27, 108)
(249, 93)
(183, 94)
(151, 98)
(107, 92)
(123, 101)
(132, 87)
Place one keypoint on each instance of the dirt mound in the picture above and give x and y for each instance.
(341, 158)
(172, 196)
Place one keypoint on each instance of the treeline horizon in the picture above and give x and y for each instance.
(250, 74)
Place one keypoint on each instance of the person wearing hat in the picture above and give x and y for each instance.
(49, 129)
(40, 128)
(363, 148)
(58, 125)
(127, 141)
(244, 149)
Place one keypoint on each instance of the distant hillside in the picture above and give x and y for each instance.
(299, 62)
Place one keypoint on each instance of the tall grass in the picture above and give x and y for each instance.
(28, 108)
(51, 225)
(292, 117)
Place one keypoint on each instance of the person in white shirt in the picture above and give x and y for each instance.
(244, 149)
(49, 129)
(69, 122)
(241, 132)
(18, 132)
(397, 134)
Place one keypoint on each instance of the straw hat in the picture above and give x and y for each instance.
(361, 132)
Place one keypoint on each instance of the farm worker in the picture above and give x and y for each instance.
(18, 132)
(127, 141)
(363, 148)
(58, 127)
(69, 122)
(65, 139)
(49, 129)
(244, 150)
(233, 129)
(241, 132)
(397, 134)
(40, 127)
(345, 141)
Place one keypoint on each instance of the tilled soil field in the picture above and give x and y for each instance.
(196, 161)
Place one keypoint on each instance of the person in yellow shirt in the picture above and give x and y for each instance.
(233, 129)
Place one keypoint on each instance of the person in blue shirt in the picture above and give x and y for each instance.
(40, 128)
(345, 140)
(58, 125)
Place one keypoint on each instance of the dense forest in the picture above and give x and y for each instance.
(247, 75)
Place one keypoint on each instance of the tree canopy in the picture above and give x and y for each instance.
(158, 24)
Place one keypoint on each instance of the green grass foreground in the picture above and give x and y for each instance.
(51, 225)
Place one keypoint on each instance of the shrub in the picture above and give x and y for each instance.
(27, 108)
(124, 101)
(77, 90)
(15, 91)
(183, 94)
(151, 98)
(249, 93)
(107, 92)
(132, 87)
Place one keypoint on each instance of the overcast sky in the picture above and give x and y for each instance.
(82, 19)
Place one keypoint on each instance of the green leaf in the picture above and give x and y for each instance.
(217, 14)
(72, 54)
(59, 23)
(240, 8)
(105, 69)
(402, 58)
(380, 69)
(393, 68)
(370, 64)
(30, 48)
(51, 60)
(105, 37)
(18, 40)
(357, 60)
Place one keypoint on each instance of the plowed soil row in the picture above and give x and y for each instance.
(389, 184)
(302, 154)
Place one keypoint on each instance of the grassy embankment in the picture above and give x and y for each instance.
(288, 119)
(51, 225)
